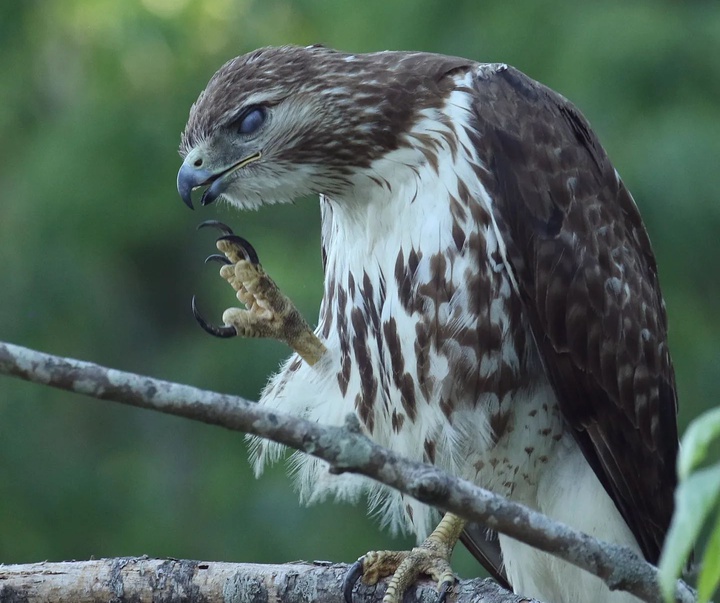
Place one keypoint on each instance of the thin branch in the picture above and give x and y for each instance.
(347, 449)
(135, 579)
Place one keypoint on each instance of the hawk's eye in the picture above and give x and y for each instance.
(251, 121)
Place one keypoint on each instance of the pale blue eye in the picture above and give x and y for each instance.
(252, 121)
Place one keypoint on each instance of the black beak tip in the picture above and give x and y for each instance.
(187, 201)
(190, 177)
(185, 187)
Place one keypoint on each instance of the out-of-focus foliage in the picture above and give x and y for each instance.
(99, 258)
(697, 497)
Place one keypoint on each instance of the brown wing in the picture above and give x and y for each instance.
(587, 276)
(484, 545)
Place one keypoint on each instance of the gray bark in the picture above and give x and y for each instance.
(347, 449)
(140, 580)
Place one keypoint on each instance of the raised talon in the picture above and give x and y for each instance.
(350, 580)
(268, 312)
(218, 257)
(222, 332)
(216, 224)
(248, 251)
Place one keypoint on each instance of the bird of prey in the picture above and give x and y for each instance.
(491, 299)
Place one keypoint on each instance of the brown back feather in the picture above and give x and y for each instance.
(588, 279)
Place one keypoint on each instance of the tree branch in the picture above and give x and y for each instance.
(347, 449)
(137, 579)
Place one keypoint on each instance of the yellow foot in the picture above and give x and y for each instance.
(432, 558)
(268, 312)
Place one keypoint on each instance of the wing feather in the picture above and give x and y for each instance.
(588, 280)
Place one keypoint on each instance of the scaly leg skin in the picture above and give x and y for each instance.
(432, 557)
(268, 312)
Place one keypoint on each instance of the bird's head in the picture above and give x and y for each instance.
(280, 123)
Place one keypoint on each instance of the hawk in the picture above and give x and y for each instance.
(491, 299)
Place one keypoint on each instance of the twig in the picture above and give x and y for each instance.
(346, 449)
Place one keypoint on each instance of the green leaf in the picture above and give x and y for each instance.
(695, 498)
(696, 440)
(710, 573)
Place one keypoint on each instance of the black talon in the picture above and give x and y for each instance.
(228, 235)
(216, 224)
(224, 332)
(247, 249)
(351, 578)
(217, 257)
(444, 590)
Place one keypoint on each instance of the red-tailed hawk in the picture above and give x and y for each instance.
(491, 299)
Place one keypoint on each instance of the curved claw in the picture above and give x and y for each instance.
(444, 590)
(223, 332)
(351, 578)
(247, 249)
(215, 224)
(217, 257)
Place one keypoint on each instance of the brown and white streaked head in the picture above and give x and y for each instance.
(280, 123)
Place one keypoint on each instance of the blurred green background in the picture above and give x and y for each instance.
(99, 258)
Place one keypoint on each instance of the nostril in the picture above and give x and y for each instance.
(198, 162)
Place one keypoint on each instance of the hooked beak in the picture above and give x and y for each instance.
(191, 177)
